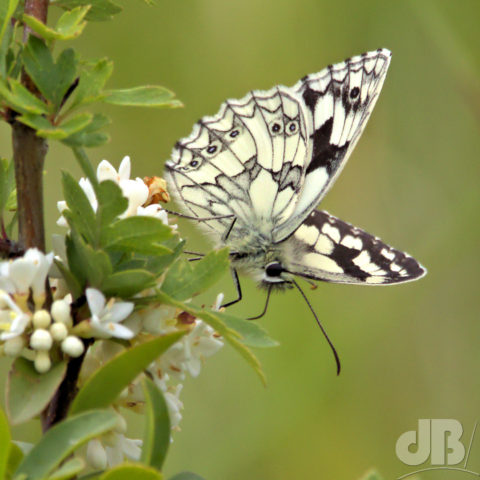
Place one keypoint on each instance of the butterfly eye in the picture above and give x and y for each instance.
(292, 127)
(274, 269)
(354, 93)
(276, 128)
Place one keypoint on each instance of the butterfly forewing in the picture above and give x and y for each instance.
(338, 102)
(327, 248)
(249, 160)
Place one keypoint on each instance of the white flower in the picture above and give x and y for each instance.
(188, 353)
(106, 317)
(72, 346)
(17, 276)
(156, 211)
(13, 320)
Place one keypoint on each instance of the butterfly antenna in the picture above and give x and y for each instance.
(334, 351)
(265, 307)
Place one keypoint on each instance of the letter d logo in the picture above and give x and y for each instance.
(410, 438)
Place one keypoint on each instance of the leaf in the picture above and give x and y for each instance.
(101, 9)
(72, 283)
(20, 99)
(104, 386)
(82, 215)
(70, 25)
(57, 132)
(88, 265)
(14, 459)
(127, 283)
(28, 392)
(86, 167)
(7, 182)
(156, 437)
(111, 204)
(91, 83)
(90, 136)
(141, 234)
(69, 469)
(131, 471)
(52, 79)
(252, 334)
(7, 9)
(147, 96)
(5, 439)
(185, 279)
(63, 439)
(186, 476)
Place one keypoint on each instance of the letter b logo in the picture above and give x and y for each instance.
(437, 438)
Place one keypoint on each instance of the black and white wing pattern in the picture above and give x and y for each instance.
(268, 159)
(338, 103)
(247, 161)
(329, 249)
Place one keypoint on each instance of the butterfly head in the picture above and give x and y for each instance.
(275, 274)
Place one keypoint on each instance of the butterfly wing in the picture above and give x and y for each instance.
(327, 248)
(337, 103)
(248, 161)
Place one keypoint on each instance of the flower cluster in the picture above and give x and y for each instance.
(40, 321)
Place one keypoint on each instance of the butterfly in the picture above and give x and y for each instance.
(254, 173)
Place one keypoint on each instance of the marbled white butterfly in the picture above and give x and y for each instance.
(254, 173)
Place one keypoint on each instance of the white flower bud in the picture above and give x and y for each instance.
(96, 455)
(42, 361)
(73, 346)
(58, 331)
(61, 312)
(121, 426)
(41, 340)
(41, 319)
(14, 346)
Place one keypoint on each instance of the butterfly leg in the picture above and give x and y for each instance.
(236, 281)
(227, 233)
(265, 307)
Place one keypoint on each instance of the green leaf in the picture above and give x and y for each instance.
(101, 9)
(7, 9)
(63, 439)
(147, 96)
(57, 132)
(90, 136)
(131, 471)
(82, 216)
(5, 439)
(7, 182)
(156, 438)
(72, 283)
(69, 469)
(104, 386)
(158, 264)
(70, 25)
(20, 99)
(28, 392)
(111, 204)
(52, 79)
(89, 266)
(140, 234)
(185, 279)
(186, 476)
(252, 334)
(127, 283)
(91, 83)
(14, 459)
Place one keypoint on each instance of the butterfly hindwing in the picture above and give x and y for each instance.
(327, 248)
(338, 102)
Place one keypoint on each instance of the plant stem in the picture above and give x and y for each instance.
(29, 153)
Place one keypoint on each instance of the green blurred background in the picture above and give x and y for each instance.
(408, 352)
